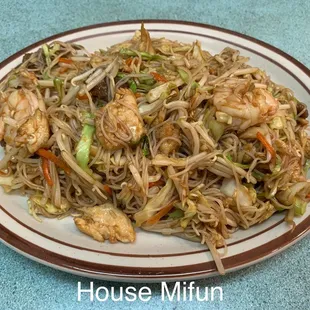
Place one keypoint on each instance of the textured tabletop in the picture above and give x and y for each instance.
(278, 283)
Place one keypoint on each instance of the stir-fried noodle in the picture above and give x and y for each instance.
(155, 134)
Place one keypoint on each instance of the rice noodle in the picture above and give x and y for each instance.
(184, 131)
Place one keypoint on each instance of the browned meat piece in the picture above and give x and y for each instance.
(302, 107)
(169, 145)
(100, 91)
(106, 222)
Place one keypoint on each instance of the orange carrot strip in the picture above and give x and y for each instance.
(107, 189)
(157, 183)
(57, 161)
(155, 218)
(266, 144)
(63, 69)
(46, 173)
(128, 61)
(158, 77)
(82, 97)
(65, 60)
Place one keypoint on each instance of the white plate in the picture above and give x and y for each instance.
(153, 257)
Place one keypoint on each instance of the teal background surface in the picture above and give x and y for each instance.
(278, 283)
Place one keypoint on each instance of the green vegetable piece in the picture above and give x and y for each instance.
(209, 114)
(277, 167)
(162, 91)
(183, 75)
(59, 85)
(54, 49)
(229, 157)
(300, 207)
(259, 176)
(279, 209)
(176, 214)
(307, 166)
(243, 166)
(100, 103)
(133, 86)
(46, 53)
(148, 56)
(121, 75)
(195, 85)
(145, 87)
(217, 129)
(144, 55)
(83, 147)
(145, 146)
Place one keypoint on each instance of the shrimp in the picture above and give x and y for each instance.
(119, 123)
(23, 121)
(244, 107)
(106, 222)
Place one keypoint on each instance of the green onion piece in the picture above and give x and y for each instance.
(46, 52)
(148, 56)
(144, 55)
(145, 146)
(300, 207)
(258, 175)
(133, 86)
(217, 129)
(59, 85)
(121, 75)
(177, 214)
(83, 147)
(127, 52)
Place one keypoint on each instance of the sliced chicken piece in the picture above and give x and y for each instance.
(106, 222)
(169, 145)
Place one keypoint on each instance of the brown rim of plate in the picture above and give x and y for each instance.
(136, 255)
(202, 269)
(124, 272)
